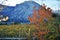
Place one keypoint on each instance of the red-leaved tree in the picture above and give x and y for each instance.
(41, 16)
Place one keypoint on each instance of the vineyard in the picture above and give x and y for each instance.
(29, 31)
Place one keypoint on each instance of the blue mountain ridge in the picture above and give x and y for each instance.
(20, 12)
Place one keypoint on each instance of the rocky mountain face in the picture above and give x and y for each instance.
(20, 12)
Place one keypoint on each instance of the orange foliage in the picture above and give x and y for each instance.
(38, 17)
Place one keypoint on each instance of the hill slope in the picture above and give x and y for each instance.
(20, 12)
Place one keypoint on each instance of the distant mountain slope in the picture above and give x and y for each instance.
(20, 12)
(56, 11)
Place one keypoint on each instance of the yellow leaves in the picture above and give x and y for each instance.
(15, 29)
(11, 33)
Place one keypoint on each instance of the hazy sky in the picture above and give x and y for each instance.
(54, 4)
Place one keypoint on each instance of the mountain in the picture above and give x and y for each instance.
(56, 12)
(20, 12)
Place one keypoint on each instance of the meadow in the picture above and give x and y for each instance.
(29, 31)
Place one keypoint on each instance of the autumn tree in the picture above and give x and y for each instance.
(41, 16)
